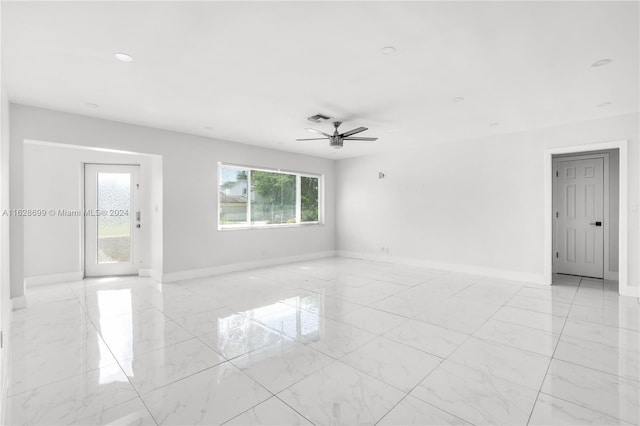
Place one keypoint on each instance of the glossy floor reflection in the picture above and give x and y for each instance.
(328, 342)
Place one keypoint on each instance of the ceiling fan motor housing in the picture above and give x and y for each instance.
(335, 141)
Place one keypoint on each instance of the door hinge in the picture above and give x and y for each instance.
(556, 214)
(556, 173)
(556, 255)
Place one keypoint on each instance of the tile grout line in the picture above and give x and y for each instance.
(533, 407)
(569, 362)
(275, 395)
(175, 343)
(121, 369)
(285, 403)
(412, 389)
(586, 408)
(579, 365)
(578, 338)
(445, 359)
(226, 360)
(442, 359)
(367, 374)
(340, 359)
(11, 361)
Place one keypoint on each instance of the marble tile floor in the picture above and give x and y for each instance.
(329, 342)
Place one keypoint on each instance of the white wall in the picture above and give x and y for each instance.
(5, 301)
(5, 298)
(5, 291)
(156, 203)
(53, 179)
(190, 236)
(476, 205)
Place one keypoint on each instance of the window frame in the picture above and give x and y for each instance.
(297, 174)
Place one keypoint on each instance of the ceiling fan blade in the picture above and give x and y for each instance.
(360, 139)
(312, 139)
(318, 131)
(353, 132)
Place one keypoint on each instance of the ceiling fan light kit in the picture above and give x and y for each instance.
(336, 140)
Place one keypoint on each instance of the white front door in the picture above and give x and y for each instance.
(579, 234)
(112, 219)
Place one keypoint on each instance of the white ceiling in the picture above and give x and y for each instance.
(253, 71)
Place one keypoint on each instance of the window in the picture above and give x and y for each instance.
(251, 197)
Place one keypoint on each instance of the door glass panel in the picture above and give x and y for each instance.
(114, 218)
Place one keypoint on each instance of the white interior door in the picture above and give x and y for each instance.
(112, 219)
(579, 231)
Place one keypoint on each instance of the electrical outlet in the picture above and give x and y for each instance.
(381, 175)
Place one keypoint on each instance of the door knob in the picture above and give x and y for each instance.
(596, 223)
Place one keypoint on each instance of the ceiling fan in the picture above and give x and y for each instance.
(336, 140)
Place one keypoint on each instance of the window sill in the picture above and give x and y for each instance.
(271, 226)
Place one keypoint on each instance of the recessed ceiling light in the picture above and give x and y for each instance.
(604, 104)
(458, 99)
(123, 57)
(388, 50)
(91, 105)
(494, 124)
(601, 63)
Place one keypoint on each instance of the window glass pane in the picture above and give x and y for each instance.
(114, 221)
(273, 198)
(250, 197)
(233, 196)
(309, 199)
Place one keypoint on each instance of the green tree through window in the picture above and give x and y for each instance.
(309, 199)
(275, 197)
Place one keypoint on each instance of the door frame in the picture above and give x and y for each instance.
(83, 225)
(623, 223)
(606, 273)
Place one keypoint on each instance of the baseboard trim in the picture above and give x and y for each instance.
(52, 279)
(451, 267)
(156, 275)
(630, 291)
(18, 303)
(241, 266)
(142, 272)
